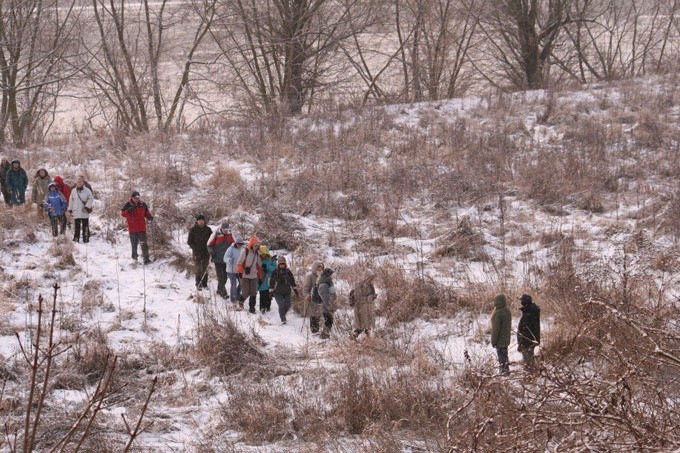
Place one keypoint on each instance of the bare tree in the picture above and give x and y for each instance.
(283, 52)
(36, 40)
(125, 64)
(520, 36)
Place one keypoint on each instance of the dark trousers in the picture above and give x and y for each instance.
(6, 196)
(283, 301)
(314, 322)
(221, 271)
(139, 238)
(56, 222)
(201, 267)
(265, 301)
(503, 364)
(84, 226)
(17, 196)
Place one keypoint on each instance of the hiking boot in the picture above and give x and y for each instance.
(325, 335)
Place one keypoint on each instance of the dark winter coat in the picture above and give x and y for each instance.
(327, 291)
(40, 184)
(199, 235)
(282, 281)
(136, 215)
(54, 202)
(17, 179)
(4, 168)
(529, 327)
(501, 322)
(218, 245)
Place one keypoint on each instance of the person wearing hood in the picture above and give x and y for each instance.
(231, 257)
(501, 322)
(528, 331)
(17, 182)
(136, 212)
(55, 204)
(362, 299)
(218, 244)
(249, 267)
(268, 266)
(313, 310)
(40, 182)
(64, 188)
(199, 235)
(281, 282)
(326, 291)
(4, 168)
(80, 207)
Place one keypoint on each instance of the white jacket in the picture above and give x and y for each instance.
(79, 200)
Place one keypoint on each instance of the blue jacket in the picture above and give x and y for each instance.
(231, 258)
(54, 202)
(268, 267)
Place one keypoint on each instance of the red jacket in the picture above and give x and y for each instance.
(136, 215)
(64, 188)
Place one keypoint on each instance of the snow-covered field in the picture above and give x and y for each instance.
(151, 315)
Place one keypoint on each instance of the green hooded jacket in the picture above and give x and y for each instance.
(501, 321)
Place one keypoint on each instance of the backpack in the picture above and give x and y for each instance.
(316, 297)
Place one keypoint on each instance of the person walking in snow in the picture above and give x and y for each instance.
(136, 212)
(17, 182)
(249, 267)
(199, 235)
(64, 188)
(268, 266)
(55, 204)
(362, 299)
(218, 244)
(313, 310)
(326, 291)
(4, 168)
(80, 207)
(281, 283)
(528, 331)
(85, 183)
(40, 182)
(231, 257)
(501, 322)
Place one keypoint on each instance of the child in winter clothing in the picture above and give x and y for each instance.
(231, 257)
(55, 204)
(281, 282)
(249, 267)
(268, 266)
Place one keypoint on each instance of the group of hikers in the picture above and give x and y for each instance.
(252, 271)
(249, 267)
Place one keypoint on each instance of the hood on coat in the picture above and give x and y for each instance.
(316, 266)
(59, 180)
(16, 161)
(254, 240)
(52, 184)
(325, 276)
(499, 301)
(238, 239)
(5, 162)
(37, 173)
(264, 251)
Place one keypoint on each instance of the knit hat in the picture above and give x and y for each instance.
(224, 226)
(134, 194)
(200, 217)
(525, 299)
(281, 260)
(238, 239)
(264, 250)
(253, 241)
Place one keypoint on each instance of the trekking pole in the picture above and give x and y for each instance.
(304, 313)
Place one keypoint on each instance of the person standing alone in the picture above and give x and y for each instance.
(136, 212)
